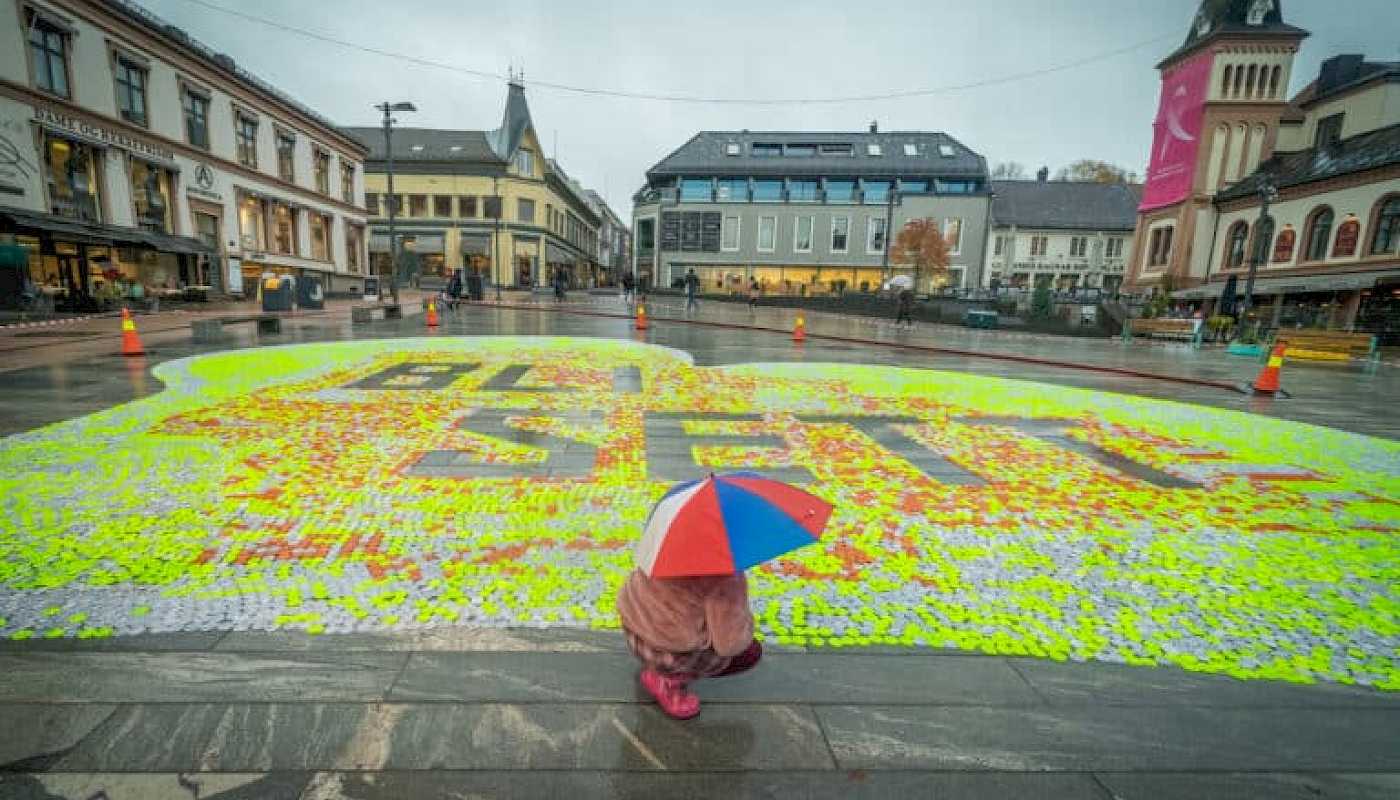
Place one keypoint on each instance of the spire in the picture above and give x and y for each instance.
(1234, 18)
(515, 121)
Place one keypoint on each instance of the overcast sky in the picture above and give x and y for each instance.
(752, 49)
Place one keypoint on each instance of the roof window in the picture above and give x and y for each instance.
(946, 150)
(911, 149)
(417, 148)
(837, 150)
(800, 150)
(456, 148)
(766, 149)
(731, 149)
(872, 149)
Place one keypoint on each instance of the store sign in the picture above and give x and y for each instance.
(203, 184)
(101, 135)
(19, 167)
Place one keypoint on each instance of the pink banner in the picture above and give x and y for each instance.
(1177, 132)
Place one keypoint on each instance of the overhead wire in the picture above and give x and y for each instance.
(683, 98)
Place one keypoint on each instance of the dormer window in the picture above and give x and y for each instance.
(946, 150)
(872, 149)
(766, 150)
(731, 149)
(837, 150)
(911, 149)
(417, 148)
(525, 162)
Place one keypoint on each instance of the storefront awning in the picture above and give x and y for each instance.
(554, 254)
(1294, 284)
(64, 229)
(423, 245)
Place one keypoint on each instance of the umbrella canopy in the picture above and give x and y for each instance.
(726, 523)
(1227, 297)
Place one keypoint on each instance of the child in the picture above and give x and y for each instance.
(682, 629)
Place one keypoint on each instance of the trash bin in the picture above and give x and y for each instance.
(310, 294)
(980, 318)
(476, 287)
(276, 293)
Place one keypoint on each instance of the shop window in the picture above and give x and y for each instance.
(466, 206)
(320, 237)
(131, 90)
(1386, 231)
(1283, 245)
(284, 229)
(321, 161)
(48, 55)
(1235, 244)
(196, 119)
(442, 206)
(252, 224)
(418, 205)
(246, 134)
(1318, 234)
(71, 171)
(150, 196)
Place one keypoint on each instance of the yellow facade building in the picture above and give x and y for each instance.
(486, 202)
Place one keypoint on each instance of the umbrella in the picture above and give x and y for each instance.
(1227, 297)
(726, 523)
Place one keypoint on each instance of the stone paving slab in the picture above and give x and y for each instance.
(582, 785)
(56, 677)
(136, 643)
(1062, 683)
(33, 732)
(500, 640)
(1252, 786)
(175, 737)
(1106, 738)
(781, 678)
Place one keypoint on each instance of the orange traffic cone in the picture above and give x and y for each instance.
(799, 329)
(641, 323)
(131, 343)
(431, 316)
(1267, 382)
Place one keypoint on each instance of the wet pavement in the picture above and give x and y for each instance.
(464, 712)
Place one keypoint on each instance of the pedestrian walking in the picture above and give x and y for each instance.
(692, 288)
(906, 307)
(560, 283)
(755, 290)
(629, 288)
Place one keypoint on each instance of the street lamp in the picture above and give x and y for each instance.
(388, 109)
(1267, 194)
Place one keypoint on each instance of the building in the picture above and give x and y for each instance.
(1222, 98)
(1328, 159)
(806, 213)
(489, 202)
(614, 241)
(132, 151)
(1067, 234)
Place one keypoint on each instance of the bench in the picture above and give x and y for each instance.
(363, 314)
(1318, 345)
(212, 330)
(1186, 330)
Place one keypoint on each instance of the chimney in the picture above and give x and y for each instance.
(874, 126)
(1042, 174)
(1338, 71)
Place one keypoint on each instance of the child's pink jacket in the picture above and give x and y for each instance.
(683, 615)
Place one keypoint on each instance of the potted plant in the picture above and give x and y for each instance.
(1247, 342)
(1220, 327)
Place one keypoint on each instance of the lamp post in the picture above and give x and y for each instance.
(388, 109)
(1267, 194)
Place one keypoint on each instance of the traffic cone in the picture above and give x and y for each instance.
(131, 343)
(431, 316)
(1267, 382)
(799, 329)
(641, 323)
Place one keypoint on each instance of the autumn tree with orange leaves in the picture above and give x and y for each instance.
(920, 245)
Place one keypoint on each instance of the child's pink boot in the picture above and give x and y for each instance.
(671, 694)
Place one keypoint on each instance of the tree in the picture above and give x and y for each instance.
(1088, 170)
(1041, 304)
(921, 246)
(1009, 170)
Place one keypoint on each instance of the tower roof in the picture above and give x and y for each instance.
(1221, 18)
(516, 120)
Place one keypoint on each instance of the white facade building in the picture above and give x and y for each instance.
(1069, 235)
(131, 149)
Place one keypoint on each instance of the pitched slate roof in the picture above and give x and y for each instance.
(1218, 18)
(436, 144)
(1066, 205)
(707, 154)
(1370, 150)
